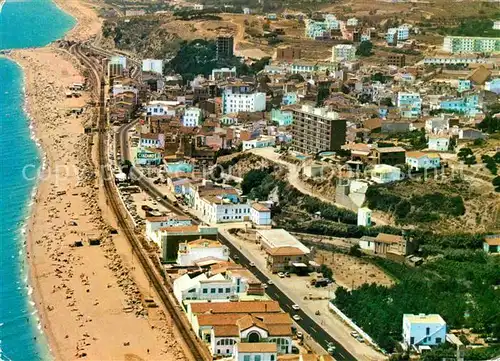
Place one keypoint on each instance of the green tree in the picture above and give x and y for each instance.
(365, 48)
(464, 153)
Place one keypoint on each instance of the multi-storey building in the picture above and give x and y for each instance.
(224, 47)
(192, 117)
(237, 99)
(409, 104)
(394, 35)
(468, 44)
(153, 65)
(343, 52)
(317, 129)
(288, 53)
(398, 60)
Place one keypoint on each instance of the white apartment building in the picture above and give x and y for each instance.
(343, 52)
(243, 102)
(192, 117)
(162, 108)
(496, 25)
(261, 142)
(153, 224)
(217, 209)
(423, 330)
(203, 288)
(150, 140)
(201, 249)
(153, 65)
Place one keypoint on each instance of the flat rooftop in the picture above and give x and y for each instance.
(280, 238)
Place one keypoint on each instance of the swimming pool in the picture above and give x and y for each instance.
(179, 167)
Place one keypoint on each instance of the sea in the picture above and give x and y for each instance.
(23, 24)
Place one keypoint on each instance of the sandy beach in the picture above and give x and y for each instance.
(90, 298)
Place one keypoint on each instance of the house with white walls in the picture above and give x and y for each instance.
(251, 351)
(420, 160)
(153, 224)
(423, 330)
(384, 173)
(201, 249)
(438, 142)
(260, 214)
(162, 108)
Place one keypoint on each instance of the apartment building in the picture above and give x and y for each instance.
(394, 35)
(192, 117)
(288, 53)
(237, 99)
(409, 104)
(224, 47)
(398, 60)
(317, 129)
(343, 52)
(469, 44)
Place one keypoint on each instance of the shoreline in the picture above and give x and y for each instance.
(96, 292)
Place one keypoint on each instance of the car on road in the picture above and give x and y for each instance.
(158, 199)
(264, 285)
(296, 318)
(300, 335)
(360, 339)
(236, 257)
(270, 282)
(281, 275)
(296, 307)
(354, 334)
(252, 264)
(287, 274)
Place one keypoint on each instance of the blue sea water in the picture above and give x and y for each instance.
(23, 23)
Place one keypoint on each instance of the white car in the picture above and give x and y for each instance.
(252, 264)
(296, 307)
(281, 275)
(270, 282)
(296, 318)
(299, 335)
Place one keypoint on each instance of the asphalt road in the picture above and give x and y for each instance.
(309, 325)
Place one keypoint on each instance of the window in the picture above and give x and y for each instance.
(212, 290)
(228, 289)
(412, 340)
(246, 358)
(221, 290)
(257, 358)
(205, 290)
(438, 339)
(427, 330)
(272, 357)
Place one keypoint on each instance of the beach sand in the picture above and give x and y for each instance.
(90, 298)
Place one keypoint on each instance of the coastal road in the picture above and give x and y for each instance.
(142, 181)
(194, 349)
(308, 324)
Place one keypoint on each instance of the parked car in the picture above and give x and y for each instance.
(330, 348)
(300, 335)
(281, 275)
(252, 264)
(297, 318)
(287, 274)
(296, 307)
(354, 334)
(270, 282)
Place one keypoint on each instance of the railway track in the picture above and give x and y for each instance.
(194, 350)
